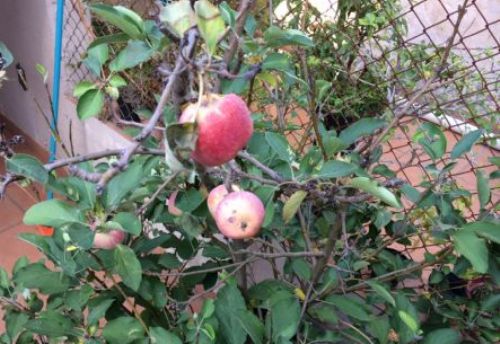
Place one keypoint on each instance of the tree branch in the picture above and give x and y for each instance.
(186, 50)
(425, 88)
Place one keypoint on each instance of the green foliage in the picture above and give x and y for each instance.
(324, 268)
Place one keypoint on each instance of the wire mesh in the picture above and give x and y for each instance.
(386, 51)
(375, 69)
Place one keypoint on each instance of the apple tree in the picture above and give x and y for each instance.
(211, 226)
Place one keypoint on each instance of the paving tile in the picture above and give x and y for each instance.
(11, 247)
(10, 215)
(22, 197)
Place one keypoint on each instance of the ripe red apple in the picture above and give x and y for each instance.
(108, 240)
(224, 128)
(240, 215)
(215, 197)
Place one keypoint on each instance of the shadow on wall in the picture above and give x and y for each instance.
(26, 27)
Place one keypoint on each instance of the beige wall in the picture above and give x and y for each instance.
(28, 28)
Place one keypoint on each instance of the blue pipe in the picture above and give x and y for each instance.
(56, 80)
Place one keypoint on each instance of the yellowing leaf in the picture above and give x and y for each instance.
(292, 205)
(210, 23)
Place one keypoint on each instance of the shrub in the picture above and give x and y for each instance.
(323, 269)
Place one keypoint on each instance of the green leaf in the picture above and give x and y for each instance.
(285, 316)
(473, 248)
(153, 291)
(159, 335)
(123, 330)
(228, 14)
(236, 322)
(96, 57)
(276, 37)
(77, 299)
(333, 145)
(37, 276)
(251, 325)
(6, 54)
(228, 301)
(114, 38)
(487, 230)
(15, 323)
(336, 169)
(117, 81)
(443, 336)
(190, 200)
(301, 268)
(210, 23)
(370, 186)
(292, 205)
(124, 19)
(349, 306)
(465, 144)
(128, 266)
(432, 139)
(170, 261)
(82, 87)
(483, 189)
(52, 324)
(363, 127)
(129, 222)
(90, 104)
(97, 309)
(81, 191)
(410, 315)
(81, 236)
(28, 166)
(323, 312)
(181, 138)
(277, 61)
(123, 184)
(40, 68)
(380, 328)
(4, 278)
(178, 16)
(52, 213)
(409, 321)
(382, 292)
(135, 53)
(280, 146)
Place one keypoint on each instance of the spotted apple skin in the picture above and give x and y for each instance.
(224, 128)
(108, 240)
(240, 215)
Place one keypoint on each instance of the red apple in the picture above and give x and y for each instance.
(108, 240)
(240, 215)
(215, 197)
(224, 128)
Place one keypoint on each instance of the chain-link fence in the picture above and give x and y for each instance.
(419, 61)
(429, 61)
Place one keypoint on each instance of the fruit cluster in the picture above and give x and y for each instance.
(224, 127)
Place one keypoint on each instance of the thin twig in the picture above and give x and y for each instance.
(153, 197)
(425, 88)
(234, 41)
(311, 91)
(270, 172)
(123, 294)
(186, 50)
(323, 261)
